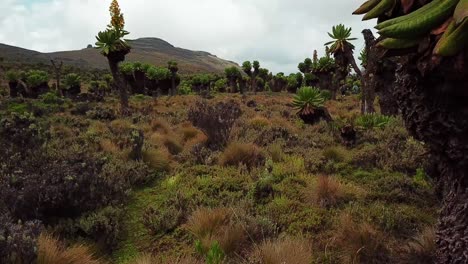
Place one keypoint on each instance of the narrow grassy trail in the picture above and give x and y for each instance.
(135, 235)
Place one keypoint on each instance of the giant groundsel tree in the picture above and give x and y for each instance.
(430, 39)
(115, 48)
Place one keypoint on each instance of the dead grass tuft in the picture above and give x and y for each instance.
(259, 122)
(161, 126)
(210, 225)
(51, 251)
(156, 160)
(421, 249)
(288, 250)
(236, 154)
(326, 192)
(360, 242)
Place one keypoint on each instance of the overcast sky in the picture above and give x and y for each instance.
(278, 33)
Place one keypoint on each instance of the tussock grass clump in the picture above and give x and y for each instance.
(156, 160)
(148, 259)
(242, 154)
(217, 225)
(326, 192)
(360, 242)
(288, 250)
(276, 152)
(109, 147)
(188, 132)
(51, 251)
(422, 248)
(336, 154)
(259, 122)
(120, 126)
(160, 125)
(172, 145)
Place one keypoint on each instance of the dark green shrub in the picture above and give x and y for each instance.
(216, 121)
(35, 78)
(104, 225)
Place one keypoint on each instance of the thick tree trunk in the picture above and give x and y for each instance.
(173, 85)
(434, 104)
(118, 80)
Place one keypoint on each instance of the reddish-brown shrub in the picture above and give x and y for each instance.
(216, 121)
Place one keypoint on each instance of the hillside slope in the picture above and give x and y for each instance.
(151, 50)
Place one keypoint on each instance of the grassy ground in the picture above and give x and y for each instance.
(280, 191)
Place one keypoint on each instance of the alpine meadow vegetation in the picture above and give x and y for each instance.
(151, 161)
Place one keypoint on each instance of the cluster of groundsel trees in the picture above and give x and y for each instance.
(430, 40)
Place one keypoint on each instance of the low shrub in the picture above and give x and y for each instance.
(216, 121)
(103, 226)
(161, 222)
(18, 240)
(242, 154)
(336, 154)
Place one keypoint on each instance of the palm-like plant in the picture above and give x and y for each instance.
(110, 41)
(341, 39)
(342, 49)
(173, 68)
(307, 100)
(114, 48)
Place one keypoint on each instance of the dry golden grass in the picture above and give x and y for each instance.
(236, 154)
(157, 160)
(189, 132)
(172, 145)
(120, 126)
(288, 250)
(161, 126)
(259, 122)
(210, 225)
(99, 128)
(205, 222)
(276, 152)
(422, 248)
(109, 147)
(360, 242)
(148, 259)
(326, 192)
(51, 251)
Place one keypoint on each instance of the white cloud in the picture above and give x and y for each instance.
(278, 33)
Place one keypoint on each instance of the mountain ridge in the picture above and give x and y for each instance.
(148, 50)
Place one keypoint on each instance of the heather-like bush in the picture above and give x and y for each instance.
(17, 239)
(216, 121)
(104, 225)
